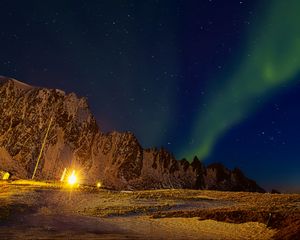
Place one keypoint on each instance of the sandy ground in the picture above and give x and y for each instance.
(42, 211)
(192, 228)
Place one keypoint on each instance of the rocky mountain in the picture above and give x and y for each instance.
(218, 177)
(74, 141)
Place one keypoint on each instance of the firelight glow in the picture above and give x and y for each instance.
(72, 179)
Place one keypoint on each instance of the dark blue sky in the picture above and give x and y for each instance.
(146, 66)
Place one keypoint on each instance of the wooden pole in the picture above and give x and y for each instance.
(42, 148)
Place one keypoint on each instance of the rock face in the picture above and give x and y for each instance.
(217, 177)
(74, 141)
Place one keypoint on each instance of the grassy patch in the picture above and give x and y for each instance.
(124, 210)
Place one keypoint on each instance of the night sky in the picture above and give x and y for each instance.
(213, 78)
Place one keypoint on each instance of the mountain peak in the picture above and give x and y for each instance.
(16, 83)
(75, 142)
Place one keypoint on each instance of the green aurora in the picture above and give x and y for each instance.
(271, 60)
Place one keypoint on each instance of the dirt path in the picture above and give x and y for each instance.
(43, 226)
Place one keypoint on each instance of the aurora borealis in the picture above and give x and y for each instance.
(273, 61)
(213, 78)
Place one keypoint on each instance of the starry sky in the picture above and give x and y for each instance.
(213, 78)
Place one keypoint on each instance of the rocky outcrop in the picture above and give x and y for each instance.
(218, 177)
(25, 115)
(75, 142)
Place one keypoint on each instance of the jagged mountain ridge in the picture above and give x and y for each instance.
(75, 141)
